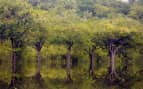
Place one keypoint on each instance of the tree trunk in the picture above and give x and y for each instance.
(91, 67)
(38, 66)
(69, 79)
(13, 78)
(112, 69)
(112, 66)
(126, 65)
(15, 45)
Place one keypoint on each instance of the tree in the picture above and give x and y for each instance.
(68, 36)
(92, 41)
(39, 40)
(115, 41)
(136, 12)
(15, 21)
(37, 36)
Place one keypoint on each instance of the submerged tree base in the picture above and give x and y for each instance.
(15, 81)
(69, 79)
(38, 77)
(112, 78)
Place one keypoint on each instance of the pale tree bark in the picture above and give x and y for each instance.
(112, 69)
(68, 68)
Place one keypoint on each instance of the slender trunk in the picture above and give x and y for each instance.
(91, 67)
(126, 65)
(69, 79)
(112, 69)
(38, 66)
(13, 60)
(112, 62)
(13, 78)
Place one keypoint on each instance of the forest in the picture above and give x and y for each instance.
(71, 44)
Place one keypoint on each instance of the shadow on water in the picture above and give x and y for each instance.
(57, 83)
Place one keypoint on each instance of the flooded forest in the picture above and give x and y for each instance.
(71, 44)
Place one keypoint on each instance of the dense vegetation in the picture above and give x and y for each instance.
(71, 44)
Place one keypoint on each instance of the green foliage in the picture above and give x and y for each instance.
(5, 54)
(83, 24)
(136, 12)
